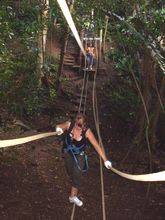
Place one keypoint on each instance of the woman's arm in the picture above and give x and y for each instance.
(93, 141)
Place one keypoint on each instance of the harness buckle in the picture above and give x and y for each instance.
(82, 153)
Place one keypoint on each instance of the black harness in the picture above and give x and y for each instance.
(76, 147)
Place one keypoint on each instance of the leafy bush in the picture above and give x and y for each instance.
(124, 103)
(120, 60)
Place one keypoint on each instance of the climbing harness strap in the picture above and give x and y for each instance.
(74, 148)
(77, 151)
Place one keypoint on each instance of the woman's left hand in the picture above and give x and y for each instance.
(108, 164)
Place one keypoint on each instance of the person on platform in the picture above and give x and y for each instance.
(90, 56)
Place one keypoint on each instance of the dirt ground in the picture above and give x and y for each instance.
(34, 184)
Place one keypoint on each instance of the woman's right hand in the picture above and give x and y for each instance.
(59, 131)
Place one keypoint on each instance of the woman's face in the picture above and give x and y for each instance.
(79, 124)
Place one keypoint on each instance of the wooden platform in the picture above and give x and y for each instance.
(93, 70)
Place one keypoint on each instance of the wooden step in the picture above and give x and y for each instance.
(76, 66)
(69, 64)
(69, 58)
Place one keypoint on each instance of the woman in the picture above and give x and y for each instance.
(90, 56)
(77, 134)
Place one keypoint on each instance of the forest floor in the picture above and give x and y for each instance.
(34, 184)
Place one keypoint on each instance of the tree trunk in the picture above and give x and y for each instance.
(104, 36)
(42, 45)
(62, 55)
(155, 118)
(146, 81)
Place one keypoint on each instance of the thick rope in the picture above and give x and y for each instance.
(152, 177)
(65, 10)
(18, 141)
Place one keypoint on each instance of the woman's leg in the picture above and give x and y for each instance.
(74, 173)
(88, 61)
(91, 61)
(74, 191)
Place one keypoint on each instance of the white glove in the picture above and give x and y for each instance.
(59, 131)
(108, 164)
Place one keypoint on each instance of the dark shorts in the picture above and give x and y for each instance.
(72, 169)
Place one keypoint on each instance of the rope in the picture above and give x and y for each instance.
(96, 119)
(140, 94)
(65, 10)
(82, 92)
(73, 211)
(152, 177)
(86, 90)
(18, 141)
(84, 87)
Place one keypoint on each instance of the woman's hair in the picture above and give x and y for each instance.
(82, 117)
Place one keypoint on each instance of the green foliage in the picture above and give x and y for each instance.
(19, 55)
(124, 103)
(121, 61)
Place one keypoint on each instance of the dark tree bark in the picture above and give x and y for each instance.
(157, 111)
(146, 82)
